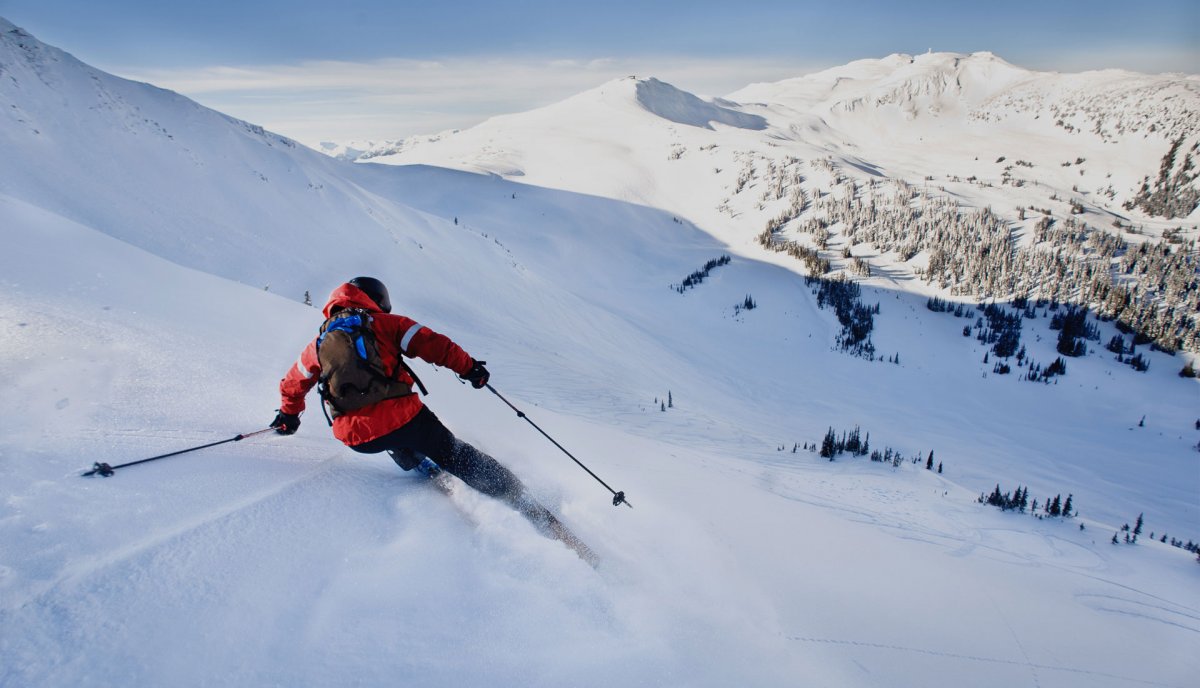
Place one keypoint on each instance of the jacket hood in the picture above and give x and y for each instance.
(349, 296)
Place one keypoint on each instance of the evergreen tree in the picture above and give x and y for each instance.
(829, 444)
(1058, 367)
(670, 400)
(1074, 329)
(929, 461)
(1139, 363)
(1067, 507)
(1137, 528)
(996, 499)
(1056, 506)
(939, 466)
(1115, 541)
(852, 443)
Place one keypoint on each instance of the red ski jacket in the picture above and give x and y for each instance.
(394, 335)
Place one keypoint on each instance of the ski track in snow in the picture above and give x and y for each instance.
(254, 533)
(1018, 550)
(84, 569)
(1124, 680)
(1144, 610)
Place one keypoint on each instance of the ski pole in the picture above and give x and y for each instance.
(107, 470)
(618, 497)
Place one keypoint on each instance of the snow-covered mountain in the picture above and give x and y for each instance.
(835, 161)
(968, 106)
(351, 150)
(910, 117)
(157, 255)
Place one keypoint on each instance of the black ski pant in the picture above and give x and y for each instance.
(426, 436)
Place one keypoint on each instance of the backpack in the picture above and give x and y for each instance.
(352, 371)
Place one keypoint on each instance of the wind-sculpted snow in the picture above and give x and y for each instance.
(681, 107)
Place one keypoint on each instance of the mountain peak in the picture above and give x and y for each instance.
(944, 78)
(679, 106)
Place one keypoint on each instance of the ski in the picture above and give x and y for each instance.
(546, 522)
(549, 525)
(443, 482)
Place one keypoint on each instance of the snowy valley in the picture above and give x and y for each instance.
(637, 266)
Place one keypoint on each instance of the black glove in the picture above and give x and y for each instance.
(478, 376)
(286, 423)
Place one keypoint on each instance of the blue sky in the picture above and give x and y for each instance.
(333, 70)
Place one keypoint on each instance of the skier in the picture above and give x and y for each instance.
(392, 417)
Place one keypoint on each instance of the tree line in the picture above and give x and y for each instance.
(1151, 289)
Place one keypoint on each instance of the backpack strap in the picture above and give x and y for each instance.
(413, 373)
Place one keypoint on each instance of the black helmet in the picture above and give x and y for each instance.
(374, 289)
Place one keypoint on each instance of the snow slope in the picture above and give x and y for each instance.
(137, 323)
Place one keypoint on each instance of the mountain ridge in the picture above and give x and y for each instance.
(986, 80)
(970, 131)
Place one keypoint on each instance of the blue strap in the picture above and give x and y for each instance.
(351, 325)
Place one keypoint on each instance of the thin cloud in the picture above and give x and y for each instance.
(1149, 59)
(393, 98)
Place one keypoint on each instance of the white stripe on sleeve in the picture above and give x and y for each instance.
(303, 368)
(408, 336)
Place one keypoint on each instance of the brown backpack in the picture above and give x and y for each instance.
(352, 372)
